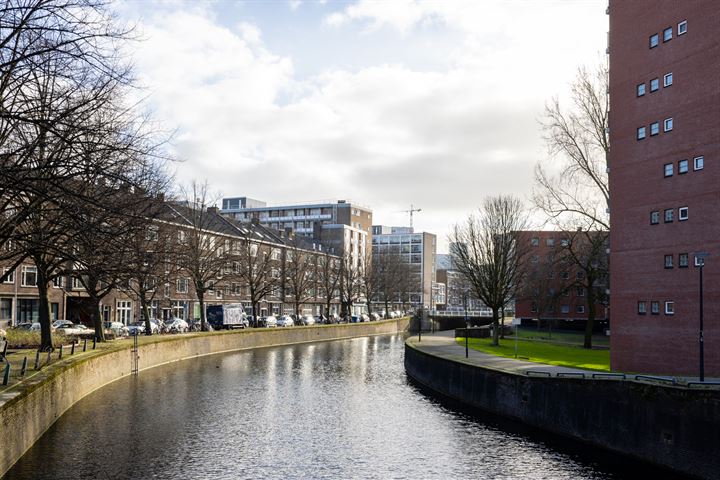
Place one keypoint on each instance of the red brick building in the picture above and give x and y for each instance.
(664, 183)
(554, 287)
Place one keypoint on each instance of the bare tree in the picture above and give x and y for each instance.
(328, 272)
(349, 284)
(392, 274)
(299, 274)
(574, 190)
(587, 250)
(487, 253)
(543, 285)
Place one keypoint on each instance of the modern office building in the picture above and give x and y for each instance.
(665, 184)
(418, 251)
(342, 226)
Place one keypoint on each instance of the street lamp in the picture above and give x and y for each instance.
(700, 263)
(467, 324)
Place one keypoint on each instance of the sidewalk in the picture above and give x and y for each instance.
(443, 344)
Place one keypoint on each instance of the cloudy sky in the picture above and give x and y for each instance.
(383, 102)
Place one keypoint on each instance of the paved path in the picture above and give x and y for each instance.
(443, 344)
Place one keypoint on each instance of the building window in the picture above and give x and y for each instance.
(580, 309)
(642, 308)
(11, 277)
(667, 34)
(682, 27)
(182, 285)
(565, 308)
(654, 84)
(550, 242)
(29, 276)
(654, 218)
(682, 166)
(535, 258)
(654, 128)
(668, 124)
(565, 275)
(682, 213)
(533, 307)
(683, 260)
(580, 275)
(668, 79)
(58, 282)
(564, 242)
(580, 291)
(698, 163)
(640, 133)
(124, 311)
(668, 169)
(669, 308)
(668, 261)
(641, 90)
(535, 242)
(654, 40)
(669, 213)
(655, 308)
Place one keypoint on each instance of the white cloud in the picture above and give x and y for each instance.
(384, 135)
(295, 4)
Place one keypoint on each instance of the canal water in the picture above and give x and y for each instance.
(335, 410)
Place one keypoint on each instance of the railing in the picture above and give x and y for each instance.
(485, 312)
(610, 376)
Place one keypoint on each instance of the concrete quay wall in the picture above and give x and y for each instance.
(673, 427)
(27, 414)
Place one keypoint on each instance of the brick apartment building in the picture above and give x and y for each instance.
(664, 183)
(554, 287)
(342, 226)
(176, 298)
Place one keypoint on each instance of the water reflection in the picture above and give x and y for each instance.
(328, 410)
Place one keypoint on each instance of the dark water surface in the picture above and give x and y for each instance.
(339, 409)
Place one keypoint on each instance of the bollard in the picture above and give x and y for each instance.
(6, 375)
(60, 352)
(94, 342)
(37, 360)
(24, 367)
(72, 349)
(85, 345)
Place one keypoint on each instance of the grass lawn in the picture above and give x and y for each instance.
(562, 336)
(543, 352)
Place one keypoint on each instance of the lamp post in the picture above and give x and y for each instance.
(700, 263)
(467, 323)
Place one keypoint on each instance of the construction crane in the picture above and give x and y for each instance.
(411, 211)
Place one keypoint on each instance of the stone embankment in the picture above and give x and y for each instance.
(647, 418)
(28, 409)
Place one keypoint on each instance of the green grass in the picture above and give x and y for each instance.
(543, 352)
(561, 336)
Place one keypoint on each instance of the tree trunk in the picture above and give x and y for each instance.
(97, 319)
(44, 311)
(590, 320)
(201, 298)
(254, 304)
(146, 314)
(502, 322)
(496, 327)
(387, 307)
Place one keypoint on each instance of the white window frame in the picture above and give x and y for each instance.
(667, 79)
(668, 124)
(682, 28)
(26, 270)
(123, 311)
(670, 308)
(11, 277)
(683, 214)
(698, 163)
(182, 282)
(579, 308)
(58, 282)
(668, 170)
(641, 133)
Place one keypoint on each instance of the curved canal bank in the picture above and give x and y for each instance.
(329, 410)
(670, 426)
(30, 410)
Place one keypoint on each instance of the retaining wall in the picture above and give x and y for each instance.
(27, 415)
(673, 427)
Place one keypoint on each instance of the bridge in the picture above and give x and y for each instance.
(449, 319)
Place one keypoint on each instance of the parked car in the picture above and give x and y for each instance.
(177, 325)
(136, 328)
(364, 317)
(285, 321)
(116, 328)
(227, 316)
(308, 320)
(24, 326)
(375, 316)
(270, 321)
